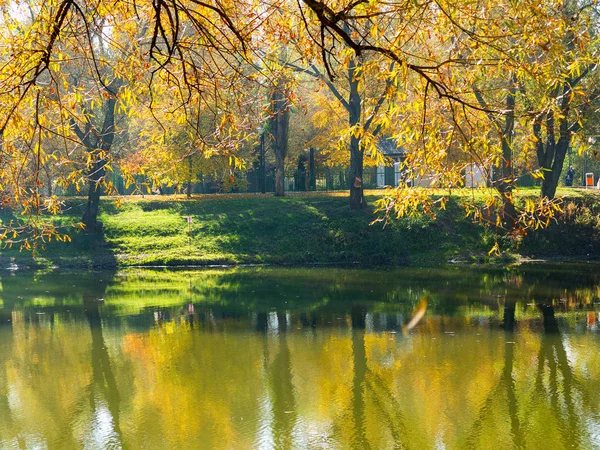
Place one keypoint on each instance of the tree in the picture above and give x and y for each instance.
(123, 49)
(279, 124)
(525, 85)
(549, 87)
(98, 142)
(362, 102)
(570, 62)
(417, 68)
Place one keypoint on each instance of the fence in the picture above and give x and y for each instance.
(324, 179)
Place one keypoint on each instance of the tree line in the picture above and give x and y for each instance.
(168, 89)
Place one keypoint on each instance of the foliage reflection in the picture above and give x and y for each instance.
(299, 358)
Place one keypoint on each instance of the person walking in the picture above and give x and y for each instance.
(569, 176)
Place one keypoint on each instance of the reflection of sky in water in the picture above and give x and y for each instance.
(264, 434)
(102, 431)
(593, 428)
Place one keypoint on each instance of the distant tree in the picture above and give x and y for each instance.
(279, 126)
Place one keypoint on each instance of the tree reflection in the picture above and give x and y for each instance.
(6, 414)
(326, 372)
(45, 377)
(359, 359)
(282, 390)
(367, 383)
(103, 388)
(508, 318)
(555, 387)
(279, 376)
(507, 380)
(555, 383)
(560, 386)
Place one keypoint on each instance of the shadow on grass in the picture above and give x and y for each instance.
(290, 230)
(85, 250)
(325, 229)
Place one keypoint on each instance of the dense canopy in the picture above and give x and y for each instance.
(160, 91)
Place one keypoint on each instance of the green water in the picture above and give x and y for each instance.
(301, 358)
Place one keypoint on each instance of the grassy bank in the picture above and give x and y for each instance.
(299, 229)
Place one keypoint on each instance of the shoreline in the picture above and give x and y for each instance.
(18, 266)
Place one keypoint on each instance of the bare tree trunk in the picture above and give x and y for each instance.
(354, 108)
(551, 153)
(279, 174)
(552, 174)
(101, 143)
(263, 174)
(312, 180)
(503, 176)
(190, 176)
(90, 215)
(357, 198)
(280, 124)
(505, 181)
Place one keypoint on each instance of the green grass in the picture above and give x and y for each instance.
(299, 229)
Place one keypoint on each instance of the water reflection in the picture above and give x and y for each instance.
(359, 358)
(282, 389)
(285, 359)
(103, 391)
(555, 381)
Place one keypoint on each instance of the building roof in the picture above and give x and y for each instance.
(389, 146)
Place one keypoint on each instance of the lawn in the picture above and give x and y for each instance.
(301, 229)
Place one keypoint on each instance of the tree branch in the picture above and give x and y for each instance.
(380, 101)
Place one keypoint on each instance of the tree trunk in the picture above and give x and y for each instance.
(551, 153)
(552, 175)
(280, 124)
(548, 186)
(357, 198)
(263, 174)
(279, 174)
(312, 181)
(503, 176)
(504, 183)
(190, 185)
(103, 143)
(90, 215)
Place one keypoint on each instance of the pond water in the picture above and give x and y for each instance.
(443, 358)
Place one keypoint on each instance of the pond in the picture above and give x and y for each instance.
(439, 358)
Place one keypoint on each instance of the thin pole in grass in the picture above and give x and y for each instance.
(189, 221)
